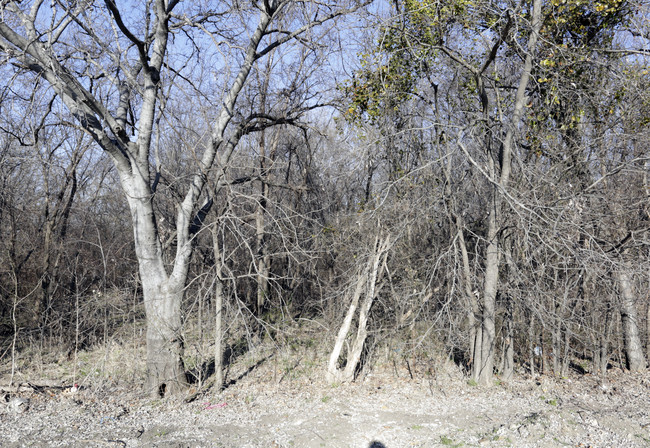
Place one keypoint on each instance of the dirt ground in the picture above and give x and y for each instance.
(267, 407)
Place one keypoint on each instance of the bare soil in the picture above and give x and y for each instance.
(275, 404)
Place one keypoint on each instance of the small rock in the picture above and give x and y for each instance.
(18, 405)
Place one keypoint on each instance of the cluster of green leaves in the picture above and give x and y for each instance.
(632, 95)
(584, 23)
(379, 86)
(405, 49)
(572, 29)
(568, 67)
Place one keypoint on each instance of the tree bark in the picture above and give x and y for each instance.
(218, 308)
(162, 294)
(263, 257)
(263, 260)
(636, 361)
(508, 338)
(474, 310)
(165, 370)
(531, 344)
(604, 342)
(484, 367)
(647, 331)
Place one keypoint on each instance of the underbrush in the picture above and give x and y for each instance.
(284, 352)
(102, 366)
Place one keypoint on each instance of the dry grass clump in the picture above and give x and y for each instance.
(100, 367)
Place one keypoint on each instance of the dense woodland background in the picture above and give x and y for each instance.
(465, 179)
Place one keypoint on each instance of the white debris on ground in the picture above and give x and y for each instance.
(379, 411)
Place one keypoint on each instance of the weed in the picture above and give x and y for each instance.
(642, 437)
(551, 401)
(472, 382)
(450, 442)
(325, 399)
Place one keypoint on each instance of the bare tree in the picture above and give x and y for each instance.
(134, 67)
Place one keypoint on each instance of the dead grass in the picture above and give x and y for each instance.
(276, 394)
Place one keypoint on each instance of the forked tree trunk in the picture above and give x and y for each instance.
(162, 294)
(633, 348)
(366, 284)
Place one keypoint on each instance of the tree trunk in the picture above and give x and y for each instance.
(162, 294)
(544, 350)
(483, 371)
(484, 367)
(218, 293)
(218, 335)
(556, 337)
(334, 373)
(531, 344)
(647, 331)
(508, 349)
(633, 348)
(557, 331)
(604, 342)
(595, 364)
(165, 370)
(564, 365)
(473, 315)
(367, 281)
(262, 256)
